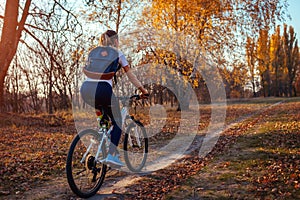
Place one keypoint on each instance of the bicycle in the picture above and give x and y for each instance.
(85, 167)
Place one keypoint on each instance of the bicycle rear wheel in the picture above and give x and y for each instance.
(85, 175)
(135, 146)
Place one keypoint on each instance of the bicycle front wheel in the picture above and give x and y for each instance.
(135, 146)
(85, 175)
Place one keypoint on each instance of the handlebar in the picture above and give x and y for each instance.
(138, 97)
(135, 97)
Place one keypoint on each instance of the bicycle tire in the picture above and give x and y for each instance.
(89, 165)
(134, 149)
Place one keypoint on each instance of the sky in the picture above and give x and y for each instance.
(294, 11)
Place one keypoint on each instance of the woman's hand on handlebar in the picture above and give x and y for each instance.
(145, 96)
(145, 93)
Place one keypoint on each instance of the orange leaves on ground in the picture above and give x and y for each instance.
(274, 174)
(31, 153)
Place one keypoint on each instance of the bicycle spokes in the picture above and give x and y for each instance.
(136, 147)
(85, 174)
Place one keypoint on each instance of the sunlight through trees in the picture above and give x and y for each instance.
(44, 44)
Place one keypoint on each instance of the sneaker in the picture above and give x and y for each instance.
(110, 159)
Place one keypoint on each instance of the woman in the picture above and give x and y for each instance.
(96, 91)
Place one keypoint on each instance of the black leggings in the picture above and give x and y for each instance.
(100, 95)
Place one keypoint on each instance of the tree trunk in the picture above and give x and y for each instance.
(50, 95)
(254, 88)
(183, 96)
(8, 42)
(268, 83)
(10, 37)
(295, 90)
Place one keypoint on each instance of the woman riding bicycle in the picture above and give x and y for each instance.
(96, 91)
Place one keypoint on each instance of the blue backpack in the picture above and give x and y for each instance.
(103, 60)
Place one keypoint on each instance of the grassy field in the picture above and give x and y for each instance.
(263, 162)
(257, 158)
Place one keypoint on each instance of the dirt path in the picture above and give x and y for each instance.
(115, 188)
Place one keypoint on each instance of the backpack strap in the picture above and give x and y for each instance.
(101, 76)
(115, 75)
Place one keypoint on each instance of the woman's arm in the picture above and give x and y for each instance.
(134, 80)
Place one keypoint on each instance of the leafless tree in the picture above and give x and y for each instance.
(42, 22)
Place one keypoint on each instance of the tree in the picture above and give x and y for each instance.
(174, 72)
(263, 57)
(33, 83)
(49, 25)
(44, 17)
(278, 58)
(11, 34)
(277, 63)
(235, 79)
(214, 24)
(211, 25)
(118, 15)
(291, 56)
(251, 61)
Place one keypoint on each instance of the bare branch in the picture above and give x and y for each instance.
(43, 46)
(23, 19)
(45, 29)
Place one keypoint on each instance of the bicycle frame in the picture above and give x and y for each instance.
(105, 135)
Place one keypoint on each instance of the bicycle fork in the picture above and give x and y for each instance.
(137, 137)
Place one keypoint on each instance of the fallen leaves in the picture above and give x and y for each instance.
(274, 175)
(31, 154)
(33, 150)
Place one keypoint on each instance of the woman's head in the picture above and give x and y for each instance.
(109, 38)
